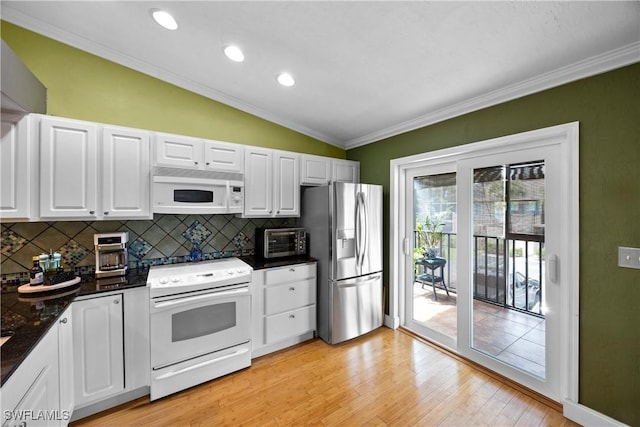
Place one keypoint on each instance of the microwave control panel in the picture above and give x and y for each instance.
(236, 197)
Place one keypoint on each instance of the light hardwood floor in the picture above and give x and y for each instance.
(384, 378)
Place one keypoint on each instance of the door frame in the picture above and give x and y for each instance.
(567, 136)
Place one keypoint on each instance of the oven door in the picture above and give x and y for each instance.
(197, 323)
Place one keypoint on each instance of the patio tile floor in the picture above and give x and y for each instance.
(513, 337)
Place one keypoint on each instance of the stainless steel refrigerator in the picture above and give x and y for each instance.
(344, 222)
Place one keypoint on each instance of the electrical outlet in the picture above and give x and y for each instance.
(629, 257)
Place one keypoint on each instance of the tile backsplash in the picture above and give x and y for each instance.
(164, 240)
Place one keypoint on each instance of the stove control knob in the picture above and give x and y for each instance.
(163, 280)
(230, 272)
(175, 279)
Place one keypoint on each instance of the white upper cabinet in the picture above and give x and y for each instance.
(272, 183)
(319, 170)
(178, 151)
(15, 170)
(194, 153)
(258, 183)
(78, 180)
(286, 188)
(315, 170)
(223, 156)
(345, 171)
(68, 168)
(126, 173)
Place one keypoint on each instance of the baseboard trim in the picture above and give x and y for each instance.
(586, 416)
(392, 322)
(111, 402)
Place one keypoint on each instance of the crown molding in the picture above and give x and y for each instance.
(74, 40)
(598, 64)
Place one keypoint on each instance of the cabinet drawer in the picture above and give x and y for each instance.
(292, 273)
(289, 296)
(289, 324)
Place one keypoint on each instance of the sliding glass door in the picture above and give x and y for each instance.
(484, 233)
(430, 294)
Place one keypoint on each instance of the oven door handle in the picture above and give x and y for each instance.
(200, 365)
(212, 296)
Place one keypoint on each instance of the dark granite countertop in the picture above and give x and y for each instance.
(27, 317)
(261, 263)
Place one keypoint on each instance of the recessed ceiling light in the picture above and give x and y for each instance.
(164, 19)
(234, 53)
(285, 79)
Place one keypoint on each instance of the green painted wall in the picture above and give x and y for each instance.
(83, 86)
(608, 109)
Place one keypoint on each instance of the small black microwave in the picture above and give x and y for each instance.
(280, 242)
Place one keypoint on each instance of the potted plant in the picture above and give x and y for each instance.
(429, 236)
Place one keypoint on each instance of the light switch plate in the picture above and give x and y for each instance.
(629, 257)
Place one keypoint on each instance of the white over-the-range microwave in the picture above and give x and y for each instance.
(185, 191)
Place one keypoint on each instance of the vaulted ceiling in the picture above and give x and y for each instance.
(364, 70)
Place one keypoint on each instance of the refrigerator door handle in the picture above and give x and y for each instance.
(351, 283)
(357, 231)
(365, 246)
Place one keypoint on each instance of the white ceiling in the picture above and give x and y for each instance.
(363, 70)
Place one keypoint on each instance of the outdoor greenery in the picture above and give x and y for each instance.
(428, 235)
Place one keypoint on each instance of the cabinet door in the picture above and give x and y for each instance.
(33, 388)
(258, 183)
(68, 168)
(15, 173)
(223, 156)
(346, 171)
(180, 151)
(126, 173)
(98, 348)
(315, 170)
(66, 365)
(286, 184)
(136, 338)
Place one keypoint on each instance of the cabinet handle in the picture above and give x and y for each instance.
(293, 270)
(63, 320)
(92, 212)
(106, 212)
(292, 316)
(271, 211)
(277, 212)
(292, 289)
(115, 301)
(195, 163)
(207, 163)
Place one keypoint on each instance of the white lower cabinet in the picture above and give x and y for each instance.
(284, 307)
(98, 348)
(65, 364)
(110, 350)
(34, 394)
